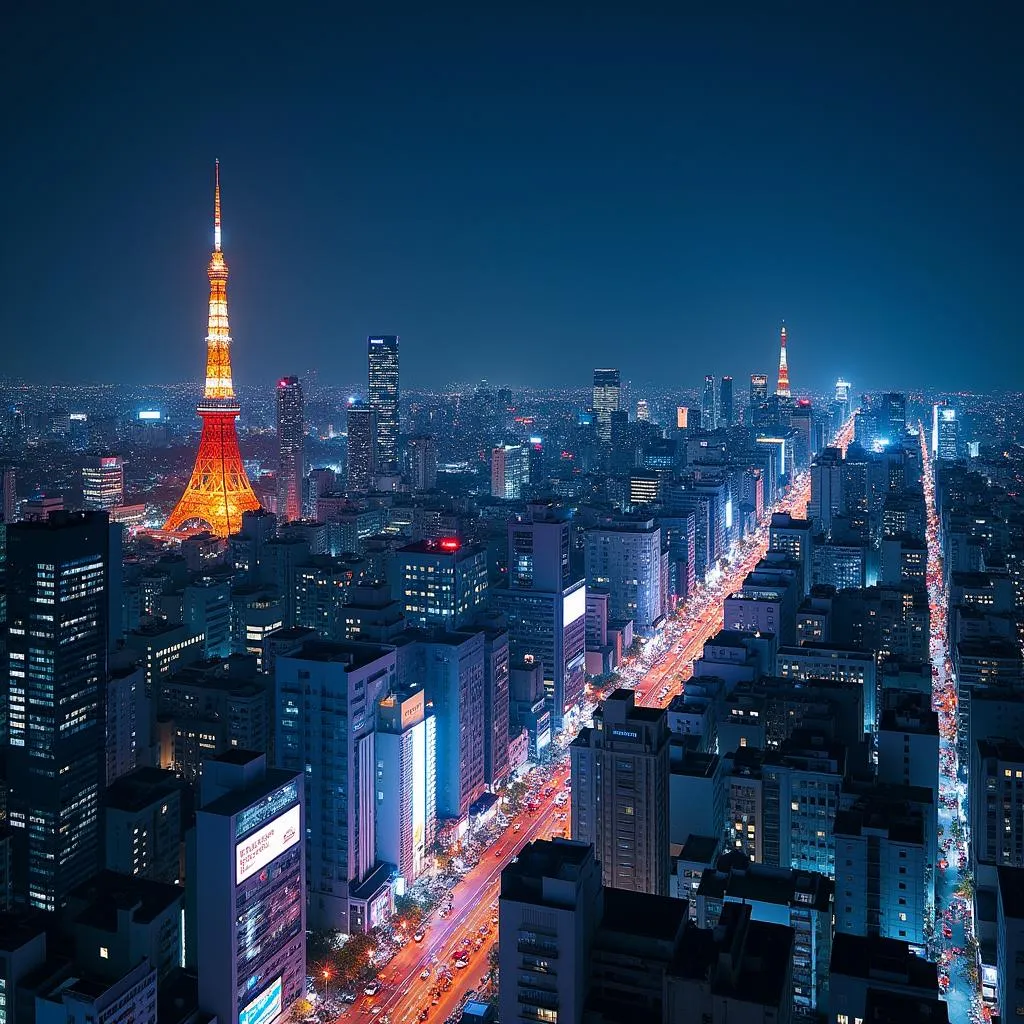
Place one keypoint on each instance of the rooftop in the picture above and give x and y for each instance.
(699, 849)
(735, 878)
(661, 918)
(102, 900)
(899, 1008)
(138, 789)
(889, 960)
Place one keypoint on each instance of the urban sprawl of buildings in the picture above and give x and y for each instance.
(584, 707)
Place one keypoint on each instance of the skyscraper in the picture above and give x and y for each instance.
(326, 697)
(758, 389)
(783, 387)
(510, 469)
(893, 416)
(382, 358)
(709, 404)
(945, 433)
(725, 402)
(291, 449)
(421, 463)
(607, 388)
(620, 793)
(218, 491)
(362, 448)
(247, 873)
(103, 482)
(545, 607)
(8, 495)
(57, 614)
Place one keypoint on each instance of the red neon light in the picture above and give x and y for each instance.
(449, 544)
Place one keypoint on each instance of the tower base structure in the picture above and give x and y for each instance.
(219, 490)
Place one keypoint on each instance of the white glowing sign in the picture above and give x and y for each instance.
(256, 852)
(574, 606)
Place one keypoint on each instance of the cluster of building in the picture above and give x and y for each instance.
(767, 843)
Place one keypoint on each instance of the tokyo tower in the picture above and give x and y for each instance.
(219, 490)
(783, 389)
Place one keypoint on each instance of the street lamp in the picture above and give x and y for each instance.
(327, 984)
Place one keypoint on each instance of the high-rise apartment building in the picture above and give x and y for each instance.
(361, 465)
(58, 618)
(291, 449)
(555, 885)
(247, 889)
(382, 358)
(607, 390)
(103, 482)
(327, 695)
(510, 470)
(725, 400)
(620, 793)
(452, 670)
(709, 410)
(406, 788)
(625, 558)
(827, 479)
(421, 462)
(545, 607)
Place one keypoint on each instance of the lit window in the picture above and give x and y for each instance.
(104, 953)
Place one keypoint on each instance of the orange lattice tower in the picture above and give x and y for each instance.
(783, 389)
(219, 491)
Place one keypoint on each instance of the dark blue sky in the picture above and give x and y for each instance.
(521, 196)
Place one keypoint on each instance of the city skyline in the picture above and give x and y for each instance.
(498, 233)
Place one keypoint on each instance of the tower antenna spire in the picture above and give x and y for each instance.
(216, 206)
(783, 387)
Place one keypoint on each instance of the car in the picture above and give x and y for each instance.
(418, 936)
(497, 853)
(517, 826)
(425, 974)
(372, 989)
(461, 964)
(494, 920)
(484, 929)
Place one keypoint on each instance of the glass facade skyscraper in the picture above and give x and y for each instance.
(56, 664)
(607, 389)
(382, 356)
(291, 450)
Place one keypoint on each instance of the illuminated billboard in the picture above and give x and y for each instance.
(574, 606)
(256, 852)
(266, 1007)
(149, 414)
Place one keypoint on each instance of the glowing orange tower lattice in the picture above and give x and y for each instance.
(219, 490)
(783, 389)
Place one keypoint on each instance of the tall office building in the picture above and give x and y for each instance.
(827, 500)
(247, 889)
(709, 404)
(362, 448)
(406, 782)
(545, 607)
(758, 389)
(291, 449)
(945, 432)
(103, 482)
(382, 357)
(607, 390)
(8, 495)
(620, 793)
(57, 615)
(893, 416)
(725, 411)
(510, 470)
(421, 463)
(326, 702)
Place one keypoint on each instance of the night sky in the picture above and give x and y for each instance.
(520, 196)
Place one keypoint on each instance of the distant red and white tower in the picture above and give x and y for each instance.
(219, 490)
(783, 389)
